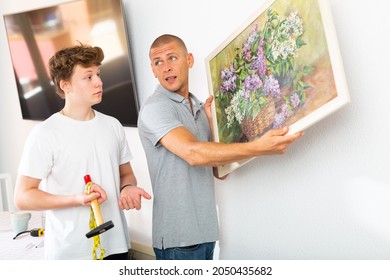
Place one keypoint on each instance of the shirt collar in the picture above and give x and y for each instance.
(179, 98)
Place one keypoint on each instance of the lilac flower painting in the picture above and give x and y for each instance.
(278, 70)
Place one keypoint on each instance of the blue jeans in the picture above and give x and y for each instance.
(204, 251)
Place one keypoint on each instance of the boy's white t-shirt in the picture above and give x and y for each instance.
(61, 151)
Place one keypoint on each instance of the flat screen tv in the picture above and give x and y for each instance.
(35, 35)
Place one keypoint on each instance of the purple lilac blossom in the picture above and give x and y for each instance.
(246, 52)
(259, 63)
(283, 114)
(278, 121)
(271, 87)
(252, 82)
(246, 47)
(295, 101)
(228, 77)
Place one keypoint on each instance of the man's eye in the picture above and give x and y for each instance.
(157, 63)
(173, 58)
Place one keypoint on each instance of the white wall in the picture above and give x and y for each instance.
(327, 198)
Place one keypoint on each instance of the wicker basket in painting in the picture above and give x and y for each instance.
(254, 127)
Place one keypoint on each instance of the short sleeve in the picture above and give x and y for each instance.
(126, 154)
(38, 154)
(158, 119)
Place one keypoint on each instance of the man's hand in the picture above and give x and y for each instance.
(207, 107)
(131, 196)
(276, 141)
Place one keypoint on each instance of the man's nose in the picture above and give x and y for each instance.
(168, 68)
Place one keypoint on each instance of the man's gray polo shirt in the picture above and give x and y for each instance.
(184, 210)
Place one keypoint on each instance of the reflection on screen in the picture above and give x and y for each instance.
(34, 36)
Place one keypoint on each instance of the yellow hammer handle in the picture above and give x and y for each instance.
(94, 203)
(96, 211)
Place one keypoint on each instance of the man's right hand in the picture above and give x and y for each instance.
(276, 141)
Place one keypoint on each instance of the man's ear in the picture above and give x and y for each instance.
(151, 66)
(190, 60)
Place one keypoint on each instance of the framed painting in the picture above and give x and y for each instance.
(282, 67)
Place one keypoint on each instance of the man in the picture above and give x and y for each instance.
(174, 128)
(64, 148)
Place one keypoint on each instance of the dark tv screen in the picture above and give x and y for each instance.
(35, 35)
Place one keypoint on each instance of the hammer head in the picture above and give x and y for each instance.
(100, 229)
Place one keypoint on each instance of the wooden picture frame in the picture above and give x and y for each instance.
(282, 67)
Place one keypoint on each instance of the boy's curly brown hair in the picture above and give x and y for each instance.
(62, 63)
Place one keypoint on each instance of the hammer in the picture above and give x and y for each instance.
(101, 226)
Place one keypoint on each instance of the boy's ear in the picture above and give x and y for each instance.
(64, 85)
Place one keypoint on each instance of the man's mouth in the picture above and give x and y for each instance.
(171, 79)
